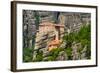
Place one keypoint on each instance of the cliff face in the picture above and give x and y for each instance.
(40, 27)
(73, 21)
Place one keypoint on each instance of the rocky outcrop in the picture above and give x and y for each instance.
(40, 27)
(47, 33)
(75, 53)
(29, 28)
(74, 21)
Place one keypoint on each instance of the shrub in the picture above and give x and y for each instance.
(27, 55)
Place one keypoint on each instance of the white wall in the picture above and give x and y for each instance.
(5, 37)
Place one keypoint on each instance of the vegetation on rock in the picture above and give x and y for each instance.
(76, 44)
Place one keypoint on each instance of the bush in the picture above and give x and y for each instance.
(27, 55)
(39, 56)
(69, 53)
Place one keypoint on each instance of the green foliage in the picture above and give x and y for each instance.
(69, 53)
(86, 39)
(54, 54)
(39, 56)
(85, 33)
(50, 58)
(68, 39)
(83, 37)
(27, 55)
